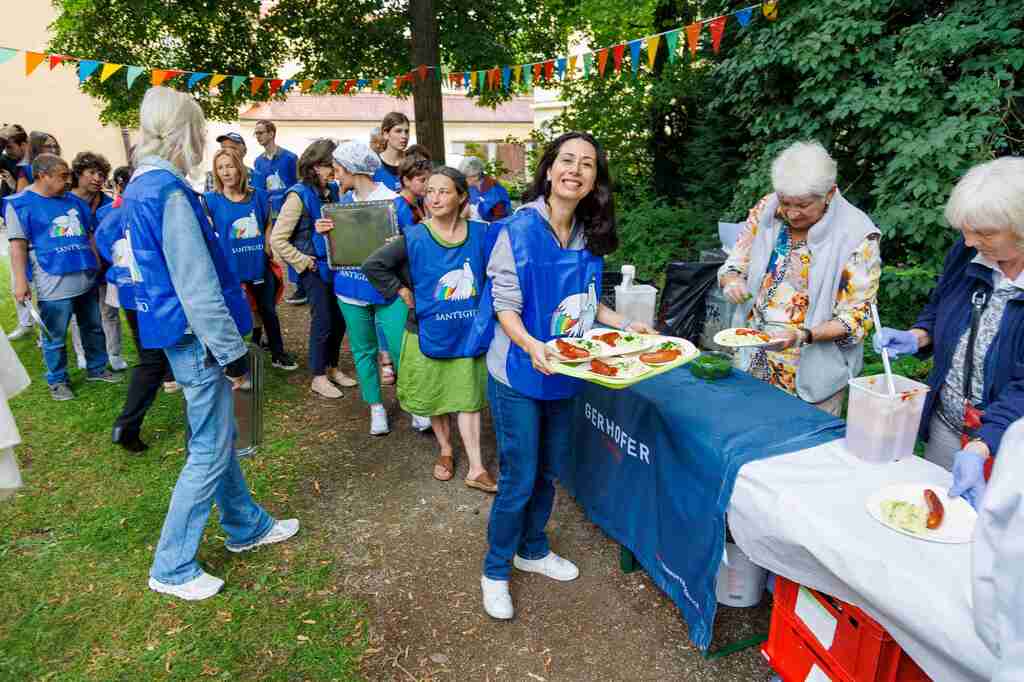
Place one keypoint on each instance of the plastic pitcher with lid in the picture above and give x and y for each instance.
(637, 302)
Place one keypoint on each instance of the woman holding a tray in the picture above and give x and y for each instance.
(296, 241)
(544, 274)
(437, 269)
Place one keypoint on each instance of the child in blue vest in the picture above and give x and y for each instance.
(394, 135)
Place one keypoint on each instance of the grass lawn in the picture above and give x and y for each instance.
(77, 542)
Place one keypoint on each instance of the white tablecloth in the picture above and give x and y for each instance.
(803, 516)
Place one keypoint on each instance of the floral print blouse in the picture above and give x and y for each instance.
(782, 299)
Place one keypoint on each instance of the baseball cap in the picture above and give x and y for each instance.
(234, 137)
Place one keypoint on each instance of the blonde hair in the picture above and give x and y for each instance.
(173, 128)
(990, 197)
(243, 172)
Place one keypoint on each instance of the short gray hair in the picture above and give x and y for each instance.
(471, 166)
(45, 164)
(173, 128)
(804, 169)
(990, 197)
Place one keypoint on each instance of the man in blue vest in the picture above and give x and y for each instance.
(49, 230)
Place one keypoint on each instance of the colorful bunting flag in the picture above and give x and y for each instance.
(527, 76)
(770, 9)
(652, 51)
(717, 27)
(572, 66)
(288, 85)
(549, 70)
(56, 59)
(560, 68)
(157, 77)
(422, 68)
(275, 85)
(306, 85)
(336, 82)
(588, 62)
(517, 74)
(194, 79)
(617, 56)
(744, 16)
(109, 70)
(506, 77)
(536, 71)
(86, 68)
(375, 84)
(634, 56)
(217, 79)
(360, 83)
(132, 74)
(236, 83)
(349, 84)
(693, 36)
(602, 61)
(672, 43)
(467, 77)
(255, 84)
(7, 54)
(33, 60)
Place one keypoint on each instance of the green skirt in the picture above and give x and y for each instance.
(430, 387)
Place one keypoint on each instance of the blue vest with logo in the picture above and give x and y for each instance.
(447, 284)
(350, 282)
(486, 202)
(390, 180)
(58, 228)
(276, 175)
(305, 238)
(162, 320)
(561, 292)
(112, 245)
(240, 226)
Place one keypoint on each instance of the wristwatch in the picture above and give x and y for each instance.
(806, 336)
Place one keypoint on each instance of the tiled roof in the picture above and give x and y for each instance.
(371, 106)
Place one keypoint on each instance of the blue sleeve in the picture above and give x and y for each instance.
(926, 320)
(107, 233)
(404, 214)
(196, 282)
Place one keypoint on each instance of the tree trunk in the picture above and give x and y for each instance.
(426, 94)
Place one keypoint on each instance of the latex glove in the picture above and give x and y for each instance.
(735, 291)
(895, 341)
(969, 476)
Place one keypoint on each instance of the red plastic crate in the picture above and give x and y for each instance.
(861, 650)
(790, 656)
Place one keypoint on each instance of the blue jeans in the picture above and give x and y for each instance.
(211, 472)
(57, 316)
(531, 434)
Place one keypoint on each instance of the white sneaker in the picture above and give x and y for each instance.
(552, 565)
(497, 600)
(18, 333)
(82, 362)
(323, 387)
(203, 586)
(279, 532)
(378, 420)
(117, 363)
(419, 423)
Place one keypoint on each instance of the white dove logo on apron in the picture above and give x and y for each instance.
(575, 315)
(456, 285)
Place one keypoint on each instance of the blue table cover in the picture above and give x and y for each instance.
(655, 464)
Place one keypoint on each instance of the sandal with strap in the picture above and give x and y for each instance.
(483, 482)
(446, 462)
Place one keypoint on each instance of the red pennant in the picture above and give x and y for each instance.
(693, 36)
(549, 70)
(256, 84)
(349, 84)
(275, 85)
(455, 79)
(536, 72)
(617, 55)
(717, 28)
(422, 70)
(56, 59)
(496, 75)
(602, 61)
(171, 73)
(334, 85)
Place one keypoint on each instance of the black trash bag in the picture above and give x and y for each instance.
(683, 301)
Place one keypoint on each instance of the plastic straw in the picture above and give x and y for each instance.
(885, 354)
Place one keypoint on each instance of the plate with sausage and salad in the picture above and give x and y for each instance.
(575, 350)
(621, 342)
(742, 337)
(925, 512)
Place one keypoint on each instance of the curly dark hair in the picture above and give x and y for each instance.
(320, 153)
(596, 211)
(84, 161)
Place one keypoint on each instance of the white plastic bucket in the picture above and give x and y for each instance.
(881, 429)
(740, 581)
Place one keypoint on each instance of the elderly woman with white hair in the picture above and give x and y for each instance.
(805, 269)
(488, 200)
(191, 306)
(973, 326)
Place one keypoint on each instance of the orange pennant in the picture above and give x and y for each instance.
(255, 84)
(693, 36)
(617, 56)
(602, 61)
(536, 72)
(334, 85)
(422, 69)
(158, 77)
(217, 79)
(56, 59)
(571, 71)
(652, 51)
(307, 84)
(32, 60)
(717, 27)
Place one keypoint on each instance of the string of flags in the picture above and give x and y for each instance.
(499, 78)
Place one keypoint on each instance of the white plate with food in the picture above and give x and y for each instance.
(665, 350)
(742, 337)
(620, 342)
(905, 508)
(573, 350)
(617, 368)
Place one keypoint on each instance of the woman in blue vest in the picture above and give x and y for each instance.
(545, 276)
(394, 135)
(488, 200)
(241, 216)
(437, 269)
(299, 245)
(190, 304)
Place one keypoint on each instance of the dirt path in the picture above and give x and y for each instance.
(411, 548)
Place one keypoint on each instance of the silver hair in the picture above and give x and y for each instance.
(471, 166)
(804, 169)
(990, 197)
(173, 128)
(45, 164)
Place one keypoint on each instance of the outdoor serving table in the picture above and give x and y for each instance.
(655, 467)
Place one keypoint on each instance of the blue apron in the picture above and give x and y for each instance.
(350, 282)
(486, 202)
(560, 290)
(276, 175)
(58, 229)
(113, 246)
(240, 226)
(447, 284)
(403, 211)
(305, 238)
(390, 181)
(162, 320)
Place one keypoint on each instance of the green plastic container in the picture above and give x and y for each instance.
(711, 365)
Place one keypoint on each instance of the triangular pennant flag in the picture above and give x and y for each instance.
(536, 71)
(495, 78)
(506, 77)
(132, 74)
(652, 51)
(602, 61)
(158, 76)
(275, 85)
(617, 56)
(336, 82)
(32, 60)
(549, 70)
(770, 9)
(375, 84)
(195, 78)
(109, 70)
(517, 74)
(7, 54)
(634, 55)
(172, 73)
(572, 66)
(389, 83)
(236, 83)
(217, 79)
(288, 84)
(672, 43)
(422, 69)
(454, 79)
(527, 76)
(321, 85)
(480, 76)
(349, 84)
(717, 28)
(86, 68)
(360, 84)
(743, 16)
(467, 78)
(560, 67)
(588, 63)
(693, 36)
(255, 84)
(307, 84)
(56, 59)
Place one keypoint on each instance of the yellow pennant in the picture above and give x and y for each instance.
(517, 73)
(109, 70)
(652, 51)
(217, 79)
(770, 9)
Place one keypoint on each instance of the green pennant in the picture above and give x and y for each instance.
(528, 76)
(389, 83)
(480, 75)
(236, 82)
(321, 85)
(588, 62)
(671, 41)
